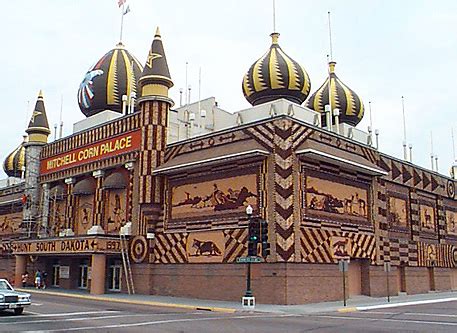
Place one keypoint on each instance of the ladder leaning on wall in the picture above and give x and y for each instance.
(126, 263)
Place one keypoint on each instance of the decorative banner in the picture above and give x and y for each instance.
(84, 214)
(438, 255)
(451, 222)
(330, 197)
(115, 210)
(205, 246)
(97, 151)
(138, 249)
(10, 223)
(427, 217)
(67, 246)
(341, 247)
(219, 196)
(450, 189)
(398, 212)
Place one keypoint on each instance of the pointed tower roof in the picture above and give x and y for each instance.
(15, 161)
(38, 129)
(346, 100)
(276, 75)
(155, 71)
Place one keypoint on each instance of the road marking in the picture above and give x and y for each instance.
(412, 314)
(22, 322)
(69, 319)
(131, 301)
(63, 314)
(394, 305)
(442, 323)
(37, 304)
(168, 321)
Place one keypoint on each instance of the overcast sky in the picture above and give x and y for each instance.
(383, 48)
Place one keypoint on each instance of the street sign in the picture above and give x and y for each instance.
(387, 267)
(343, 265)
(245, 260)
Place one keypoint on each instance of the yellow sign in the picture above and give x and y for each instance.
(67, 246)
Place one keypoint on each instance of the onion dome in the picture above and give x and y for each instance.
(114, 75)
(38, 129)
(155, 79)
(347, 101)
(15, 162)
(275, 75)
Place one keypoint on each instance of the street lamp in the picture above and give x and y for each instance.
(248, 275)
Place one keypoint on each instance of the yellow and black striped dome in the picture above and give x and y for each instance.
(15, 162)
(114, 75)
(275, 75)
(346, 100)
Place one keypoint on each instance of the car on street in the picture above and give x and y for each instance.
(11, 299)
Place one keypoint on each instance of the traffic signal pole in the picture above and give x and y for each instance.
(248, 292)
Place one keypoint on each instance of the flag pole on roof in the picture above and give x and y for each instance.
(124, 11)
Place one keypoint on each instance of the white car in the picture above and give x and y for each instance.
(11, 299)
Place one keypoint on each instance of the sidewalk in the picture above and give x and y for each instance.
(358, 303)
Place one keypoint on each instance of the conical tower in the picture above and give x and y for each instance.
(38, 132)
(154, 104)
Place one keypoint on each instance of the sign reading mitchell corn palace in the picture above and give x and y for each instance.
(326, 197)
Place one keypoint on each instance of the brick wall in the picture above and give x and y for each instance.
(417, 280)
(443, 279)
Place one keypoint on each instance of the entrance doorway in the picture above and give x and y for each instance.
(402, 277)
(56, 275)
(114, 276)
(355, 278)
(431, 274)
(83, 276)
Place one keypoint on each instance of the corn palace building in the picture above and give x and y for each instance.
(176, 181)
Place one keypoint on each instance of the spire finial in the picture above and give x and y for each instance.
(330, 37)
(157, 32)
(40, 94)
(274, 37)
(274, 16)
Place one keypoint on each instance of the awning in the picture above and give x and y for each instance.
(206, 157)
(115, 180)
(320, 152)
(84, 187)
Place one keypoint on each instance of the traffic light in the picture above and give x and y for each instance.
(252, 249)
(253, 236)
(264, 238)
(254, 231)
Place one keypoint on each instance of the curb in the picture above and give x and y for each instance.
(128, 301)
(396, 305)
(345, 310)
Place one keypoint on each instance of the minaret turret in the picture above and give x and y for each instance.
(38, 129)
(38, 132)
(154, 105)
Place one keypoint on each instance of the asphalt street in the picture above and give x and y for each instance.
(63, 314)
